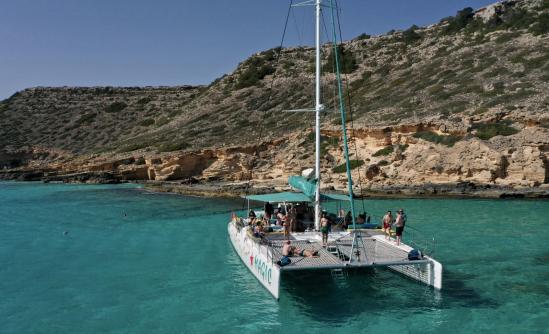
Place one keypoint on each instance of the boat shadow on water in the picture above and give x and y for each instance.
(324, 298)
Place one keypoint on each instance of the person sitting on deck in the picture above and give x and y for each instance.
(348, 219)
(287, 249)
(258, 230)
(251, 217)
(361, 219)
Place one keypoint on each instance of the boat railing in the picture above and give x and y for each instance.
(417, 239)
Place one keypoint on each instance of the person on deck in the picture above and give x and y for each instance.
(251, 217)
(348, 219)
(361, 219)
(324, 228)
(291, 218)
(387, 221)
(399, 225)
(268, 210)
(286, 226)
(258, 230)
(289, 250)
(403, 215)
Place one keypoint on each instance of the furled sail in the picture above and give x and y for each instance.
(304, 185)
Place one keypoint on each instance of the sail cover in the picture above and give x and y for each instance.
(307, 187)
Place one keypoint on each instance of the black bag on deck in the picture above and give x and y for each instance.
(284, 261)
(415, 254)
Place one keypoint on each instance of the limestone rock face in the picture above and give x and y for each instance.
(234, 167)
(470, 160)
(183, 166)
(526, 167)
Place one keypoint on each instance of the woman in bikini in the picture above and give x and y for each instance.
(387, 221)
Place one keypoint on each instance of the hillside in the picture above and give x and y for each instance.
(420, 99)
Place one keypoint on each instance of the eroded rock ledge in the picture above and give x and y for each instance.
(503, 166)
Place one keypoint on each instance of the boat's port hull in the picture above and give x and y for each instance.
(256, 258)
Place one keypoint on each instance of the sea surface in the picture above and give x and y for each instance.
(118, 259)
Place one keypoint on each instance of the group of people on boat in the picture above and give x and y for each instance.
(297, 218)
(290, 218)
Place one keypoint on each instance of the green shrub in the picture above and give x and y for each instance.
(384, 151)
(343, 167)
(257, 70)
(170, 147)
(460, 21)
(116, 107)
(147, 122)
(144, 100)
(541, 26)
(347, 62)
(86, 119)
(449, 140)
(363, 36)
(389, 149)
(161, 121)
(506, 37)
(486, 131)
(132, 147)
(410, 35)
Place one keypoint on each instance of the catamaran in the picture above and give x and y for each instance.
(264, 251)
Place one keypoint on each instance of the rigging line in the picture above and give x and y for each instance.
(261, 125)
(279, 53)
(351, 118)
(343, 120)
(327, 85)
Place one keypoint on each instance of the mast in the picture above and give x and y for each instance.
(318, 108)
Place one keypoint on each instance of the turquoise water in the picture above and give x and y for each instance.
(116, 259)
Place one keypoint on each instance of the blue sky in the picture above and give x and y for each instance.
(170, 42)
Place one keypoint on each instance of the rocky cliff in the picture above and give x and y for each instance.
(461, 106)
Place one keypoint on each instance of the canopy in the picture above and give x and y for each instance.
(292, 197)
(280, 197)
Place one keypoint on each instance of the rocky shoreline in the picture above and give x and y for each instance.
(195, 187)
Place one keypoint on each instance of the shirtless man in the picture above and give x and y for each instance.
(289, 250)
(399, 225)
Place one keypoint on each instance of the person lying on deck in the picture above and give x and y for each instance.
(289, 250)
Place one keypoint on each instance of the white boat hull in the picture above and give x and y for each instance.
(257, 259)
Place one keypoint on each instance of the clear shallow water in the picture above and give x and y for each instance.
(135, 262)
